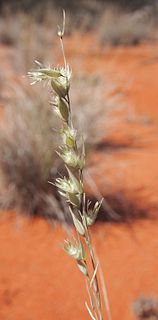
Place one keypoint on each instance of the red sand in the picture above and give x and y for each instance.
(38, 281)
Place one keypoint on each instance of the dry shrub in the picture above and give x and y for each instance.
(146, 308)
(80, 14)
(31, 38)
(28, 157)
(32, 32)
(118, 27)
(154, 16)
(93, 107)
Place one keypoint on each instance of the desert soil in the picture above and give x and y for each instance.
(38, 280)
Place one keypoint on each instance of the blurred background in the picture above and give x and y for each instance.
(111, 47)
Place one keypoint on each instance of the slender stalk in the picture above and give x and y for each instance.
(71, 187)
(95, 281)
(95, 285)
(96, 305)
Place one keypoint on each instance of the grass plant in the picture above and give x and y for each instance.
(27, 158)
(71, 186)
(132, 27)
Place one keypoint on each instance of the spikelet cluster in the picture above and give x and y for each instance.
(71, 187)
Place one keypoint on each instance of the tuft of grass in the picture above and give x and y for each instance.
(118, 27)
(31, 30)
(28, 35)
(28, 157)
(94, 117)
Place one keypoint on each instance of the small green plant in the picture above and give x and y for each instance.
(71, 186)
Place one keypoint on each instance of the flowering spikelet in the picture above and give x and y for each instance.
(75, 250)
(69, 137)
(70, 157)
(93, 212)
(68, 185)
(58, 74)
(70, 188)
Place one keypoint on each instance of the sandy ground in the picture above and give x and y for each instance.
(38, 281)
